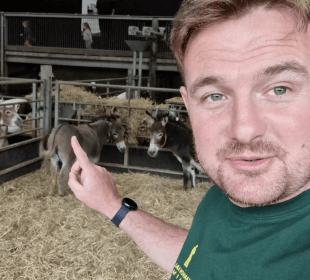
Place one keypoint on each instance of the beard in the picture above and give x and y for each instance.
(246, 188)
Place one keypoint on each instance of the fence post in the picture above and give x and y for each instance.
(129, 83)
(4, 42)
(153, 54)
(2, 48)
(34, 110)
(46, 75)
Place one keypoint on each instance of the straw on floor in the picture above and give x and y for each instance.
(53, 237)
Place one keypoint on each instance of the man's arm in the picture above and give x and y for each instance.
(159, 240)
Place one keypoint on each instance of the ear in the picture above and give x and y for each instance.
(16, 107)
(164, 120)
(184, 94)
(150, 120)
(109, 121)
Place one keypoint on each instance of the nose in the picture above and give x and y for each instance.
(151, 153)
(19, 121)
(247, 121)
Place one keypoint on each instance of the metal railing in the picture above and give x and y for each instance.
(126, 164)
(29, 131)
(66, 30)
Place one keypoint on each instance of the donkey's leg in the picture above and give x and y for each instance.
(193, 176)
(54, 170)
(64, 175)
(186, 174)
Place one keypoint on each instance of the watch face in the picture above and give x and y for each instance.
(130, 204)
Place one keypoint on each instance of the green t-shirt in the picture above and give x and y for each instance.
(227, 242)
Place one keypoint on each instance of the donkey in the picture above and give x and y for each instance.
(179, 139)
(10, 121)
(10, 117)
(90, 136)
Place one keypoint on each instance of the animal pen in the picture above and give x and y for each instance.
(135, 157)
(57, 237)
(22, 156)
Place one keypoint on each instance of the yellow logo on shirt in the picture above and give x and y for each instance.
(190, 256)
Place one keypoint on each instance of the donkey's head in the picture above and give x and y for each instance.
(158, 135)
(116, 130)
(10, 118)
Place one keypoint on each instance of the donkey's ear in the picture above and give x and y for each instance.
(16, 107)
(109, 120)
(164, 120)
(150, 120)
(114, 112)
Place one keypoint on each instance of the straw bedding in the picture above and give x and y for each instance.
(53, 237)
(134, 120)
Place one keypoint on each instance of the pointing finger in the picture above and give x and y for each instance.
(81, 156)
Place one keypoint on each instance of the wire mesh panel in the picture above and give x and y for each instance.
(108, 33)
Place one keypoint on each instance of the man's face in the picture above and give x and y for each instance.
(248, 96)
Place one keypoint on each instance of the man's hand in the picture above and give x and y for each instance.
(96, 187)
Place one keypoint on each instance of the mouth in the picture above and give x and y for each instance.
(252, 163)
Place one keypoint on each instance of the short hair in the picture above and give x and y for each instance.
(195, 15)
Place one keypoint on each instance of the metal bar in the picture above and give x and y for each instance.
(57, 85)
(34, 110)
(140, 72)
(17, 133)
(134, 68)
(23, 143)
(23, 79)
(126, 156)
(118, 106)
(2, 44)
(18, 166)
(119, 86)
(108, 89)
(77, 16)
(20, 81)
(148, 169)
(102, 80)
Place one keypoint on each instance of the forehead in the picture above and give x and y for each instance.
(156, 127)
(258, 39)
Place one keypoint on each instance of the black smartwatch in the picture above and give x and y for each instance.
(127, 205)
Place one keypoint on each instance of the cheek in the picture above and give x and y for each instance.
(206, 136)
(293, 129)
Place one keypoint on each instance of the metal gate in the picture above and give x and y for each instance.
(22, 156)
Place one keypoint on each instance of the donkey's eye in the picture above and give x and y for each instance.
(8, 112)
(160, 135)
(114, 134)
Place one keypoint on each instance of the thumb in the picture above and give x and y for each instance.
(81, 156)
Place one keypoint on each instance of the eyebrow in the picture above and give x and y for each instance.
(204, 81)
(290, 66)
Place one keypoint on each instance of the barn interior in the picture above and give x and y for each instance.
(48, 236)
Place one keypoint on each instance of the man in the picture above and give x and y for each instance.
(245, 65)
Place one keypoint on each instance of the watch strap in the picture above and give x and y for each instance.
(120, 215)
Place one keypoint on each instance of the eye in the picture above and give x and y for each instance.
(214, 97)
(159, 135)
(8, 112)
(280, 90)
(114, 134)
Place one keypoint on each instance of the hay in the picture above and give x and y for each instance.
(101, 105)
(175, 100)
(53, 237)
